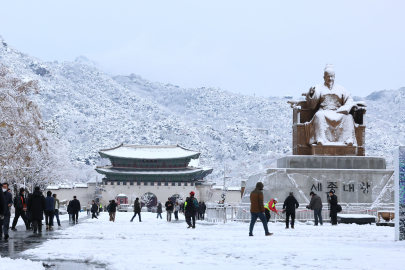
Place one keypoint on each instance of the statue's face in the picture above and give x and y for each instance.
(329, 78)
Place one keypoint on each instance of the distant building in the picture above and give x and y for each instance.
(152, 173)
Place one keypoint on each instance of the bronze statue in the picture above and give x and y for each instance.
(332, 124)
(328, 122)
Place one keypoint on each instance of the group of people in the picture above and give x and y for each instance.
(32, 208)
(262, 211)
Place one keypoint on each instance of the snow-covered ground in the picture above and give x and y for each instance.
(157, 244)
(7, 263)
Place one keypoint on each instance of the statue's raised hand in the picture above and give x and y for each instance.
(311, 91)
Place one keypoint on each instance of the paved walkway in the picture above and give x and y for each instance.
(22, 240)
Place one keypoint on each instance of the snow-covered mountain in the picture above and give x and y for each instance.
(243, 134)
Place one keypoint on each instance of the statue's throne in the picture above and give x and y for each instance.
(302, 114)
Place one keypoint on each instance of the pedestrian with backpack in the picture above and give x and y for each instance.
(333, 201)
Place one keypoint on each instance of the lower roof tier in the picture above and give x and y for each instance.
(186, 174)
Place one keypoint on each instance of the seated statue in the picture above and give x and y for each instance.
(332, 123)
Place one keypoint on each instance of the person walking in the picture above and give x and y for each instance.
(113, 210)
(189, 210)
(169, 209)
(204, 207)
(257, 209)
(316, 205)
(137, 210)
(159, 210)
(49, 210)
(2, 209)
(290, 204)
(56, 206)
(94, 208)
(75, 204)
(8, 202)
(36, 205)
(333, 201)
(176, 210)
(88, 208)
(20, 206)
(69, 210)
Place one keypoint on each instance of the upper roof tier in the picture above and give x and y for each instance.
(128, 151)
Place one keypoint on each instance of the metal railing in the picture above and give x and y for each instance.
(228, 212)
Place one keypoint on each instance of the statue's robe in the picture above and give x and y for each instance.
(332, 124)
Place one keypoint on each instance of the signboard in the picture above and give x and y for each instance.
(400, 194)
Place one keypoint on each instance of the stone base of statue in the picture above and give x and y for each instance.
(355, 180)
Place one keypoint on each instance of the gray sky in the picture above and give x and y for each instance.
(269, 48)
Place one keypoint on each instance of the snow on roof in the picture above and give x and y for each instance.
(122, 195)
(110, 169)
(149, 152)
(65, 186)
(80, 185)
(233, 188)
(52, 187)
(218, 187)
(194, 162)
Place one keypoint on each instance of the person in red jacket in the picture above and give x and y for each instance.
(270, 206)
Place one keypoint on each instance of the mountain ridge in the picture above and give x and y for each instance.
(241, 133)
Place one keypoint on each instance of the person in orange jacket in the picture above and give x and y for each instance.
(270, 206)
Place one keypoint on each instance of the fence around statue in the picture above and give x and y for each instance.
(241, 212)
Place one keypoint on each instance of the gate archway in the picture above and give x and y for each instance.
(176, 198)
(148, 199)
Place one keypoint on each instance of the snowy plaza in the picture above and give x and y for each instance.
(158, 244)
(285, 116)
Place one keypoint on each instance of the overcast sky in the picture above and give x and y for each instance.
(267, 48)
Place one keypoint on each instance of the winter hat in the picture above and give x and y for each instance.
(22, 190)
(137, 198)
(311, 193)
(259, 185)
(332, 191)
(275, 199)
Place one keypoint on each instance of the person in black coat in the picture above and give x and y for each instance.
(94, 208)
(290, 204)
(333, 201)
(36, 205)
(113, 209)
(8, 202)
(189, 210)
(2, 207)
(20, 206)
(137, 210)
(75, 204)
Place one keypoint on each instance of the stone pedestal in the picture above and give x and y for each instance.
(355, 180)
